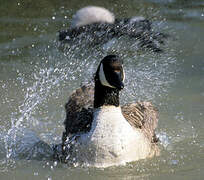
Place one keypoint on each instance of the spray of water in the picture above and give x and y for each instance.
(56, 73)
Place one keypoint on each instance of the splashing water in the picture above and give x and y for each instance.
(52, 75)
(19, 141)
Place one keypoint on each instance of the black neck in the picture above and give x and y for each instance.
(104, 95)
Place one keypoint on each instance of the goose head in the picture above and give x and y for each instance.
(110, 72)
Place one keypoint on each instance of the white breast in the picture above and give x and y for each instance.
(112, 140)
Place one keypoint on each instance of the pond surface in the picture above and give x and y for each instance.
(36, 79)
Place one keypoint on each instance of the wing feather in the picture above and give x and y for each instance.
(79, 110)
(142, 115)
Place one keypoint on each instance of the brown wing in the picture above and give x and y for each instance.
(142, 115)
(79, 110)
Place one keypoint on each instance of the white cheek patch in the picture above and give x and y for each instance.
(102, 77)
(123, 75)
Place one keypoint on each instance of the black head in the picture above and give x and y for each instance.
(110, 72)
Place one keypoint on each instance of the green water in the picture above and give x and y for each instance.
(36, 80)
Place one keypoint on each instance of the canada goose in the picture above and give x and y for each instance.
(104, 133)
(98, 25)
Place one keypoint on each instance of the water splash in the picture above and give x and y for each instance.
(51, 75)
(22, 143)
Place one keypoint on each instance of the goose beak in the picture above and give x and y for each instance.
(120, 86)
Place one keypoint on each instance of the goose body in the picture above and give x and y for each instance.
(105, 133)
(97, 25)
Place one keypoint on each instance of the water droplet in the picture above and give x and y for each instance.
(35, 173)
(174, 162)
(55, 163)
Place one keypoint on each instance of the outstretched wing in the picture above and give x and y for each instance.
(79, 110)
(136, 28)
(142, 115)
